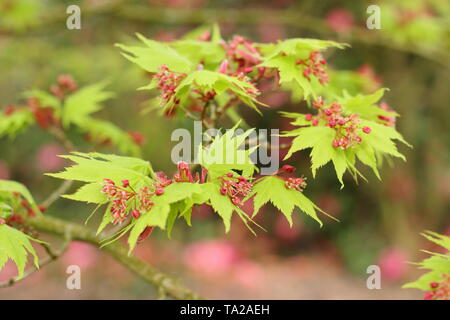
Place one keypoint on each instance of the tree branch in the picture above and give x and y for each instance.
(171, 286)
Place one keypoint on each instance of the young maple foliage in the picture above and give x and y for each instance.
(436, 282)
(206, 78)
(64, 106)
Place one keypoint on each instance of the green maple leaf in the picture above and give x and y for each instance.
(227, 153)
(273, 189)
(10, 187)
(155, 54)
(79, 105)
(15, 245)
(438, 264)
(11, 125)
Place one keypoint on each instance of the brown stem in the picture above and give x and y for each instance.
(171, 286)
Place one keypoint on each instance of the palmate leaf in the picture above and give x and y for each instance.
(11, 125)
(164, 204)
(10, 186)
(209, 53)
(94, 167)
(83, 103)
(15, 245)
(155, 54)
(226, 153)
(46, 99)
(379, 143)
(100, 131)
(272, 189)
(438, 264)
(365, 105)
(283, 56)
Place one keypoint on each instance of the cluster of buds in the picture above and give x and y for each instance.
(168, 82)
(205, 96)
(298, 184)
(347, 128)
(293, 183)
(237, 188)
(251, 90)
(314, 65)
(119, 196)
(125, 200)
(65, 84)
(44, 116)
(388, 121)
(242, 52)
(439, 290)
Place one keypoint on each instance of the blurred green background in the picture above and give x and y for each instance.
(380, 221)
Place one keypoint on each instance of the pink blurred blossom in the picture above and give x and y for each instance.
(81, 254)
(4, 171)
(249, 274)
(212, 257)
(392, 262)
(47, 157)
(339, 20)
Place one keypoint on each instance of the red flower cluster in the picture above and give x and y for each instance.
(347, 127)
(294, 183)
(65, 84)
(242, 52)
(124, 199)
(44, 116)
(298, 184)
(168, 82)
(237, 188)
(439, 290)
(314, 65)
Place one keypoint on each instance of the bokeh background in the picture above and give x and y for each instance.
(380, 221)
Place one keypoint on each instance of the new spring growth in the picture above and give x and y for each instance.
(293, 183)
(347, 127)
(125, 200)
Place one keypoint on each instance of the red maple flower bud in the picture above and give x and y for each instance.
(125, 183)
(109, 181)
(366, 130)
(136, 214)
(159, 191)
(287, 168)
(145, 234)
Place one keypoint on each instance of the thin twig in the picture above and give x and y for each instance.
(57, 193)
